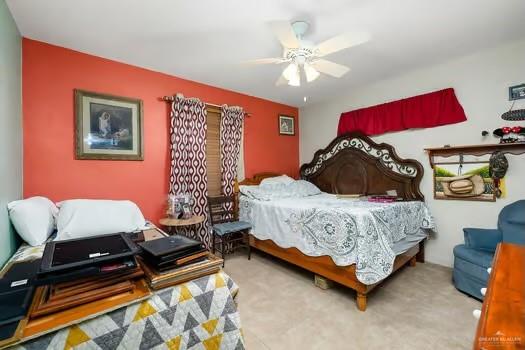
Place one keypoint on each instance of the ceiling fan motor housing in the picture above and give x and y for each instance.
(300, 28)
(305, 51)
(300, 55)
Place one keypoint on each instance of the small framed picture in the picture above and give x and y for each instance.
(286, 125)
(108, 127)
(517, 92)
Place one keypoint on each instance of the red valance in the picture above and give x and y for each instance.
(423, 111)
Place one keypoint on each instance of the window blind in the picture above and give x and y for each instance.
(213, 151)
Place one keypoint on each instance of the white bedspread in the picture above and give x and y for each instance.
(348, 230)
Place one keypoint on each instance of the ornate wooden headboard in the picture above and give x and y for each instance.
(355, 164)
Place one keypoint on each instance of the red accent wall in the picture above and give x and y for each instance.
(50, 73)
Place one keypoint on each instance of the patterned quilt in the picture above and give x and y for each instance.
(198, 315)
(349, 231)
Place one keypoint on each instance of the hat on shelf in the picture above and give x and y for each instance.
(462, 186)
(510, 134)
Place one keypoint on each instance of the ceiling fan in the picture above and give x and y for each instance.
(302, 55)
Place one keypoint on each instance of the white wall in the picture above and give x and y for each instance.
(481, 83)
(10, 126)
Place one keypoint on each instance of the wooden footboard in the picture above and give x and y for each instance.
(325, 266)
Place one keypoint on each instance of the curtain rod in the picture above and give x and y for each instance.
(172, 98)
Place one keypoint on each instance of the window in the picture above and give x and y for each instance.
(213, 151)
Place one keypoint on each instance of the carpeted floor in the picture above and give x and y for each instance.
(417, 308)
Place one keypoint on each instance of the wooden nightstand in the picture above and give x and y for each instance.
(172, 224)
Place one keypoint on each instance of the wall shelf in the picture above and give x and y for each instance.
(516, 148)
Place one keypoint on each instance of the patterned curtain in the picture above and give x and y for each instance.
(231, 136)
(188, 158)
(240, 165)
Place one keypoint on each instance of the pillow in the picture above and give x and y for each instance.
(302, 188)
(255, 192)
(79, 218)
(277, 180)
(33, 218)
(295, 189)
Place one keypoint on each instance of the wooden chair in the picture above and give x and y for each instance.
(226, 227)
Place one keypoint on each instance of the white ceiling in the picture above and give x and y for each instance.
(206, 40)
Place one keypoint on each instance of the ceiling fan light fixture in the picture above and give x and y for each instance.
(291, 71)
(295, 81)
(310, 72)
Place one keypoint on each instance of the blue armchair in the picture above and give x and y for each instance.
(472, 259)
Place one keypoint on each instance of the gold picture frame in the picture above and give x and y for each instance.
(108, 127)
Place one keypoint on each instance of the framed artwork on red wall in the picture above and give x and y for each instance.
(286, 125)
(108, 127)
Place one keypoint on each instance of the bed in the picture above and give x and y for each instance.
(347, 240)
(200, 313)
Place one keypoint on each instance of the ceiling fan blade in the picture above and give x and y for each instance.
(341, 42)
(265, 61)
(284, 32)
(281, 81)
(330, 68)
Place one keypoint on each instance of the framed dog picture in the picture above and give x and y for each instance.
(108, 127)
(286, 125)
